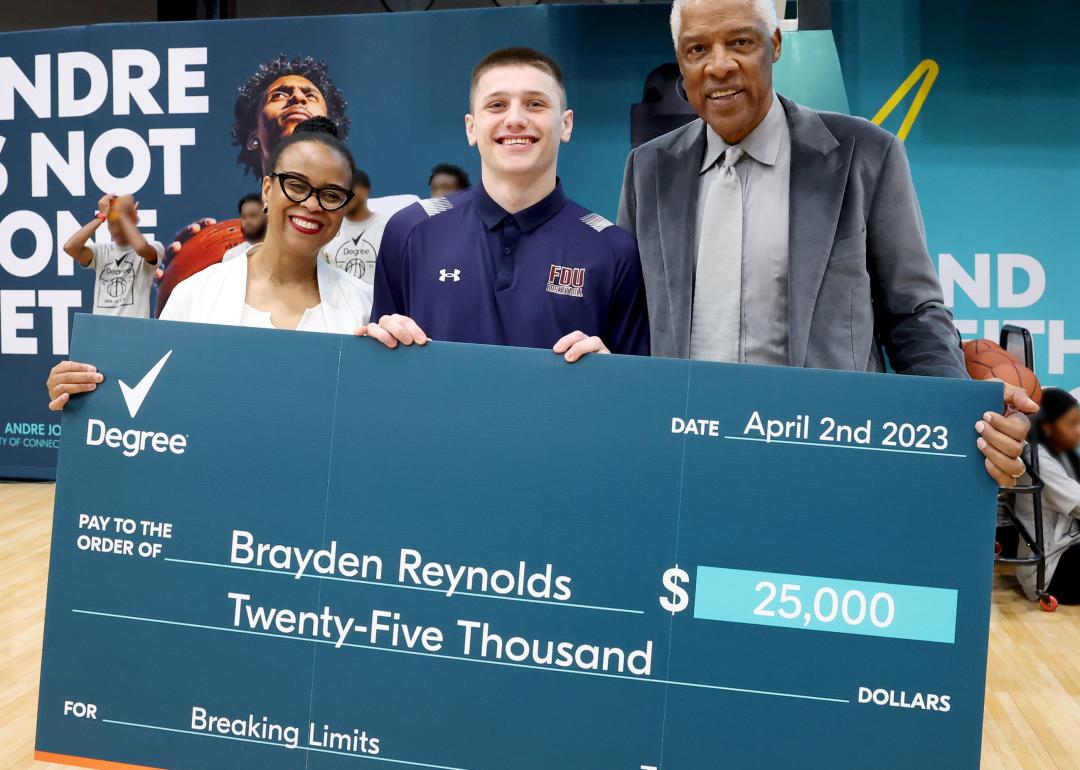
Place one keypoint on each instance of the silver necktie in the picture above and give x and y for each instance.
(716, 323)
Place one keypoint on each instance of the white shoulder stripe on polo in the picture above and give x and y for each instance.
(597, 222)
(435, 206)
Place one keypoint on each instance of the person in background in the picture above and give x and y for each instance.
(124, 269)
(355, 248)
(771, 233)
(447, 179)
(512, 261)
(252, 223)
(282, 283)
(1055, 435)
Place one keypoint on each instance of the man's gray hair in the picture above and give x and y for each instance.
(763, 9)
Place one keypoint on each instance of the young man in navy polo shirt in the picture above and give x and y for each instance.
(511, 261)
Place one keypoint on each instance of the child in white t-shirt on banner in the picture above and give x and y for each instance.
(124, 269)
(355, 249)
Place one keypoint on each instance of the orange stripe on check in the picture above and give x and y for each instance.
(97, 764)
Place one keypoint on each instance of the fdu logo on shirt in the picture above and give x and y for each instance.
(132, 441)
(569, 281)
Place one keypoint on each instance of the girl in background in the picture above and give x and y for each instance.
(1055, 436)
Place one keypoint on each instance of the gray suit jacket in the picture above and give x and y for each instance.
(860, 275)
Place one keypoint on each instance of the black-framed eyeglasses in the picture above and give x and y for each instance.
(297, 189)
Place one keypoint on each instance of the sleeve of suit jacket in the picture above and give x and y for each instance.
(914, 325)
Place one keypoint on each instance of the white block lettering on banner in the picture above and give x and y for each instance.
(134, 72)
(68, 105)
(1021, 283)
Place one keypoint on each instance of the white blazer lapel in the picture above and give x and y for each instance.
(346, 302)
(228, 300)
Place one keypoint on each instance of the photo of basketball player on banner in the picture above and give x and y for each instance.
(278, 96)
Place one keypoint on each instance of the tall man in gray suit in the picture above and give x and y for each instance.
(774, 234)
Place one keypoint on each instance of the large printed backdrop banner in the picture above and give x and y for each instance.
(153, 109)
(165, 111)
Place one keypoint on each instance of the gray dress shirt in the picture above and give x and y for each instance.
(765, 173)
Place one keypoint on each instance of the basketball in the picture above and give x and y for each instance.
(981, 356)
(987, 360)
(1020, 376)
(203, 249)
(116, 287)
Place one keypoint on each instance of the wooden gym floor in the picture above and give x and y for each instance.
(1032, 693)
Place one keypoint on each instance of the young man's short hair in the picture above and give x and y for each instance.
(361, 179)
(249, 198)
(518, 56)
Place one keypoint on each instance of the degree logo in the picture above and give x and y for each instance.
(133, 441)
(134, 397)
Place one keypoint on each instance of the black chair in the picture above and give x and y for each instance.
(1017, 341)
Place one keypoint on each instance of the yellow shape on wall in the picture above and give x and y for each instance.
(927, 67)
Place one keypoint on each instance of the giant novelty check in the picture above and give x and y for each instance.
(286, 550)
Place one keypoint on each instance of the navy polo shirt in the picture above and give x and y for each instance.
(467, 271)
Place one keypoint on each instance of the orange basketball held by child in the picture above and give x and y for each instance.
(987, 360)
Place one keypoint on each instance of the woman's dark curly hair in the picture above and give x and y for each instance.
(251, 94)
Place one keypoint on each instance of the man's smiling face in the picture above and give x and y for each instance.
(518, 120)
(726, 52)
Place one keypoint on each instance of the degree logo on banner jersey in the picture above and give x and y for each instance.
(132, 441)
(117, 284)
(356, 256)
(569, 281)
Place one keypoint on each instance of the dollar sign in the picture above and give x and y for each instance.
(679, 598)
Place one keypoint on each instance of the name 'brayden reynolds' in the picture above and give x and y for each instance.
(413, 569)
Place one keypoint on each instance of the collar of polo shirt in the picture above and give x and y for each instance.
(528, 219)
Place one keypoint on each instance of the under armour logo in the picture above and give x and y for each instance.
(454, 275)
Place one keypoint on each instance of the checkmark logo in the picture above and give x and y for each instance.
(134, 397)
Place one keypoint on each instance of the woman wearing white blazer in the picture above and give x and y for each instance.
(282, 284)
(218, 295)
